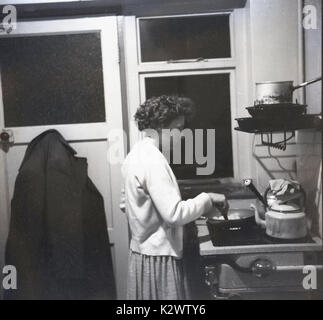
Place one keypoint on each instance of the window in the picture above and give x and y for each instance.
(164, 39)
(211, 95)
(188, 55)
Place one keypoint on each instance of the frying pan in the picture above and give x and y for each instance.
(275, 92)
(236, 219)
(238, 224)
(274, 110)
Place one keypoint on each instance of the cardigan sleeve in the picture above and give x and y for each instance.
(167, 199)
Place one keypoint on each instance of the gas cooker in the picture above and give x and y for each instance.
(255, 241)
(222, 271)
(258, 266)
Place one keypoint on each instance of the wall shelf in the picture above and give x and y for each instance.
(269, 126)
(276, 125)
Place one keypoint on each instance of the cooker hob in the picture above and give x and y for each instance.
(253, 236)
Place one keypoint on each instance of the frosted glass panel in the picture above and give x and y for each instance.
(54, 79)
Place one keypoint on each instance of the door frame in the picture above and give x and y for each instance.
(107, 26)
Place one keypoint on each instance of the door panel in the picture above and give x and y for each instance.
(62, 66)
(87, 137)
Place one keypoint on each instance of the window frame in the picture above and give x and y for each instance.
(162, 63)
(239, 66)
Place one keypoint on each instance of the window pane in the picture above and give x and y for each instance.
(211, 95)
(185, 38)
(54, 79)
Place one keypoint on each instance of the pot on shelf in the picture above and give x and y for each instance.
(277, 92)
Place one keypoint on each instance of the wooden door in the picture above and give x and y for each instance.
(84, 51)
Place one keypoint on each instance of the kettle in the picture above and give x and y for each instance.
(284, 219)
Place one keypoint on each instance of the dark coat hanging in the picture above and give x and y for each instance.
(58, 238)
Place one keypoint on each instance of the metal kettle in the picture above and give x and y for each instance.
(284, 219)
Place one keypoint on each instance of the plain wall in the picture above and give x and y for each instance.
(309, 162)
(278, 54)
(274, 45)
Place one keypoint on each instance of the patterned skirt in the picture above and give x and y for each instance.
(155, 278)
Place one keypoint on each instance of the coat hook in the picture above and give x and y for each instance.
(6, 139)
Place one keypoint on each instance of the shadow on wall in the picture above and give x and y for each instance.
(273, 163)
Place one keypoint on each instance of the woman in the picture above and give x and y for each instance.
(155, 210)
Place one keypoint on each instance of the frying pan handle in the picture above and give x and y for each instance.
(304, 84)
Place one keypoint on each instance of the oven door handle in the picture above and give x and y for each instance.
(263, 267)
(298, 268)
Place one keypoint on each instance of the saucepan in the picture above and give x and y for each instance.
(236, 225)
(276, 92)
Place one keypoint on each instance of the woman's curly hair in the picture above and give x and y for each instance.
(158, 112)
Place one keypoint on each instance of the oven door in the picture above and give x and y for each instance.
(269, 276)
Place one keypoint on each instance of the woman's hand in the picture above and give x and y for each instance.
(217, 199)
(220, 202)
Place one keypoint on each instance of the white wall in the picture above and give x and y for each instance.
(310, 141)
(274, 42)
(276, 54)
